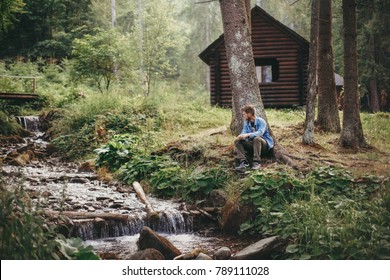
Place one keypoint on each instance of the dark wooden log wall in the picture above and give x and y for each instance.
(268, 42)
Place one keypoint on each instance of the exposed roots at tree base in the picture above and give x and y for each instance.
(281, 156)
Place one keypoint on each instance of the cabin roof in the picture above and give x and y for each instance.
(256, 12)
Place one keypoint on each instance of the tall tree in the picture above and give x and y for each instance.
(113, 13)
(374, 49)
(204, 26)
(239, 53)
(8, 10)
(328, 116)
(352, 132)
(242, 71)
(308, 135)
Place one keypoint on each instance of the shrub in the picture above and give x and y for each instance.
(121, 149)
(201, 182)
(25, 235)
(166, 181)
(328, 214)
(140, 167)
(7, 125)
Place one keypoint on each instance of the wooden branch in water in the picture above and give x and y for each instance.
(142, 197)
(87, 215)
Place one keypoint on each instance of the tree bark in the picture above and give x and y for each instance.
(87, 215)
(328, 117)
(247, 4)
(352, 132)
(141, 196)
(374, 101)
(207, 43)
(113, 13)
(242, 70)
(308, 134)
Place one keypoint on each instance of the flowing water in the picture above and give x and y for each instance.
(58, 186)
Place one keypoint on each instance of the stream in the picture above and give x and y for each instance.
(61, 186)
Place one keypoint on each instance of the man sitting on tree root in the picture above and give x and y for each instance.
(254, 138)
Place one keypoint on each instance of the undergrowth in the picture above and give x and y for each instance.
(328, 214)
(24, 234)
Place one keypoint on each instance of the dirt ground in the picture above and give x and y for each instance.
(216, 146)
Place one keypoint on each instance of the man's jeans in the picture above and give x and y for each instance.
(257, 146)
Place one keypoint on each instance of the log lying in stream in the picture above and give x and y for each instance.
(151, 214)
(87, 215)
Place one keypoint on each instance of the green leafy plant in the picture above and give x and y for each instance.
(166, 181)
(140, 167)
(24, 234)
(269, 192)
(118, 151)
(329, 214)
(201, 182)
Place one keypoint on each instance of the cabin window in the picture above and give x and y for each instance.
(264, 74)
(267, 70)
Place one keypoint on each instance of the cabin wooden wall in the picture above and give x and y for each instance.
(268, 42)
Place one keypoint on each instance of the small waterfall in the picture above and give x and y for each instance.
(174, 222)
(91, 229)
(31, 123)
(171, 222)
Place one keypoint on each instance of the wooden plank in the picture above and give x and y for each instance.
(21, 77)
(14, 96)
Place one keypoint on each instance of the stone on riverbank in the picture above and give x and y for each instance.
(223, 253)
(147, 254)
(259, 250)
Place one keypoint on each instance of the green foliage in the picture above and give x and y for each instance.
(99, 57)
(141, 167)
(327, 214)
(167, 180)
(25, 235)
(163, 42)
(201, 182)
(94, 120)
(44, 28)
(8, 9)
(161, 172)
(374, 50)
(270, 192)
(116, 152)
(7, 125)
(78, 144)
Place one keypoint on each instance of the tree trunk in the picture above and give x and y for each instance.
(141, 196)
(308, 134)
(141, 48)
(328, 116)
(207, 43)
(247, 4)
(113, 24)
(352, 132)
(242, 71)
(374, 101)
(113, 13)
(87, 215)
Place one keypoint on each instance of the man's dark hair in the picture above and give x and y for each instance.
(249, 109)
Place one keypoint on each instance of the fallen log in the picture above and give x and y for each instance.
(151, 214)
(87, 215)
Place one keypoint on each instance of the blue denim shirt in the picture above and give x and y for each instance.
(260, 130)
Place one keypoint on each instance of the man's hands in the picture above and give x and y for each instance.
(243, 136)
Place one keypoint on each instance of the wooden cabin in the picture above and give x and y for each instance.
(281, 58)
